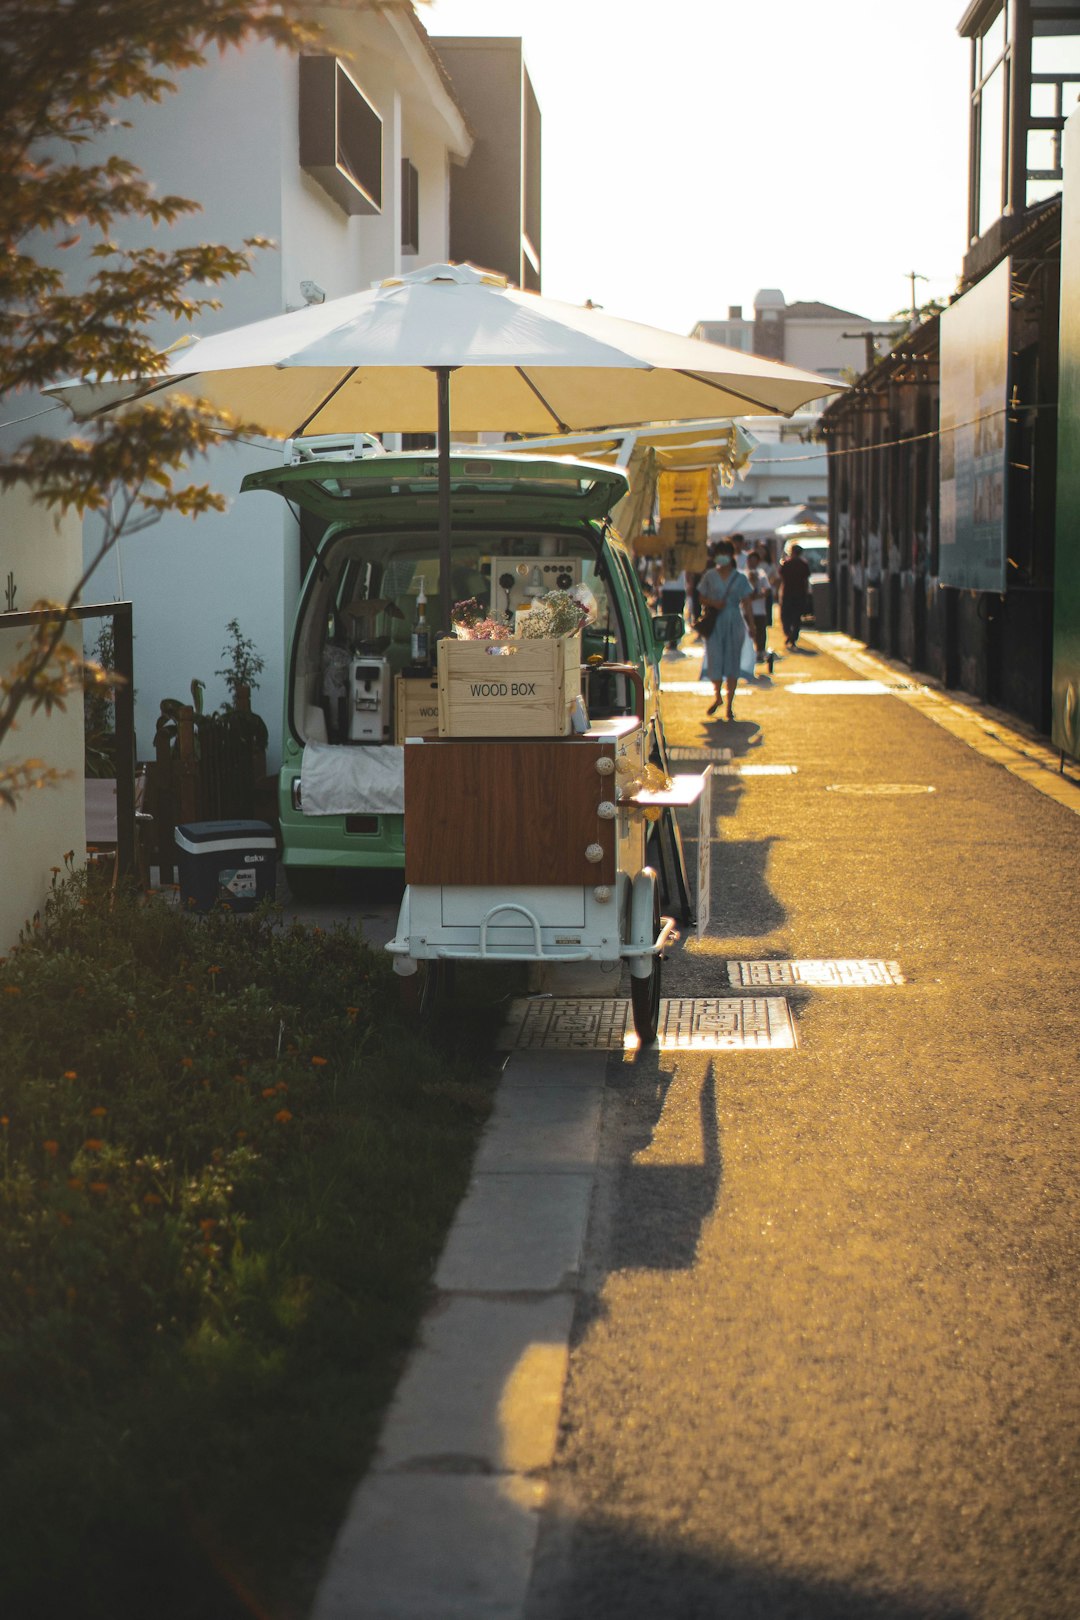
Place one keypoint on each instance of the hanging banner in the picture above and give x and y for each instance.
(974, 398)
(683, 541)
(685, 494)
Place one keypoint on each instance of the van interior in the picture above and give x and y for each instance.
(361, 600)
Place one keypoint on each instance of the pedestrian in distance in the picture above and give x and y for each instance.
(759, 607)
(794, 592)
(727, 627)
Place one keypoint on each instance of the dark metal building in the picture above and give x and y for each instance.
(942, 457)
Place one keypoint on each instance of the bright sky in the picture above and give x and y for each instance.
(695, 151)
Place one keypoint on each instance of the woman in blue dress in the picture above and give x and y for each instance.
(728, 592)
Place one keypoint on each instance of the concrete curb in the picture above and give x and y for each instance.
(446, 1522)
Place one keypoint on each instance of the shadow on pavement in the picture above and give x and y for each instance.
(660, 1208)
(617, 1573)
(743, 905)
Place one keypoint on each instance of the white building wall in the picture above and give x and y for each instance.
(230, 137)
(44, 560)
(820, 345)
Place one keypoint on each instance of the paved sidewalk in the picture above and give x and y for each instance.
(445, 1524)
(671, 1406)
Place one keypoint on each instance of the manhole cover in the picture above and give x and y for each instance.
(695, 754)
(817, 975)
(729, 1023)
(892, 789)
(589, 1025)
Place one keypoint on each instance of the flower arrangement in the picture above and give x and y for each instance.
(472, 623)
(559, 613)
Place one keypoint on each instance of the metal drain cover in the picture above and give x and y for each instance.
(816, 975)
(728, 1023)
(695, 754)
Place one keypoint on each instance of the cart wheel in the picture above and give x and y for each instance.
(420, 991)
(645, 993)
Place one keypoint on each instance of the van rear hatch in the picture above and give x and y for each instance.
(402, 491)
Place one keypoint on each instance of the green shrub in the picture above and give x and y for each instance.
(225, 1176)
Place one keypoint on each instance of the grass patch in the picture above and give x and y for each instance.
(226, 1172)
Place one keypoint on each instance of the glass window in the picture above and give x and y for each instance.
(991, 150)
(992, 43)
(1043, 151)
(1044, 101)
(1056, 53)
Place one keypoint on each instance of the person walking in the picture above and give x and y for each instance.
(759, 581)
(794, 592)
(725, 599)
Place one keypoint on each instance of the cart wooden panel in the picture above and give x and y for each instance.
(520, 812)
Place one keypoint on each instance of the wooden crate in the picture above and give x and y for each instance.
(416, 708)
(524, 688)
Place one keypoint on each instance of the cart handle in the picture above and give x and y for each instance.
(632, 672)
(509, 905)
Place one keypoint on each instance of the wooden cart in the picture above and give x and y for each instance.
(533, 849)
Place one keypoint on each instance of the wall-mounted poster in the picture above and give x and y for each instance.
(974, 399)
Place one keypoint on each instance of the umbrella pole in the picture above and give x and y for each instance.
(442, 374)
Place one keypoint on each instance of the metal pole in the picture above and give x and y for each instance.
(124, 702)
(443, 375)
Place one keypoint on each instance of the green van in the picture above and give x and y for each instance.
(521, 526)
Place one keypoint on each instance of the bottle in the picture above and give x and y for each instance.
(421, 634)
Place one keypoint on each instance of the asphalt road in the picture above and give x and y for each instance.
(825, 1363)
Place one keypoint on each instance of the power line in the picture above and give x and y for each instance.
(892, 444)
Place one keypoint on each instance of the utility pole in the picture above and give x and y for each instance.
(913, 277)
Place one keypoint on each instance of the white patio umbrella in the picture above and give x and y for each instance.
(520, 363)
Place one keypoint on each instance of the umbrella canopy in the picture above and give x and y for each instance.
(524, 364)
(520, 363)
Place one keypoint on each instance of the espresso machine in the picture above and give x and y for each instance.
(369, 699)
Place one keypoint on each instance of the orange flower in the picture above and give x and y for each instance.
(207, 1225)
(71, 1074)
(4, 1121)
(51, 1148)
(319, 1063)
(187, 1063)
(99, 1186)
(151, 1198)
(12, 990)
(283, 1116)
(98, 1113)
(93, 1144)
(213, 970)
(269, 1091)
(351, 1013)
(241, 1136)
(75, 1183)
